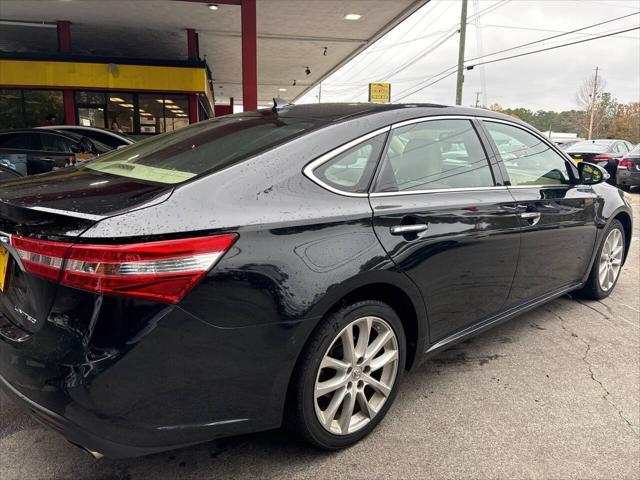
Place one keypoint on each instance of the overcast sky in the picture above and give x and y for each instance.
(426, 44)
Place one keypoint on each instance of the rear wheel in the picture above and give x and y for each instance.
(349, 375)
(608, 263)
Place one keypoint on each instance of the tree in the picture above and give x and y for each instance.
(588, 97)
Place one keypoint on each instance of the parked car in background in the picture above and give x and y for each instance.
(629, 169)
(285, 266)
(102, 135)
(605, 153)
(563, 144)
(34, 150)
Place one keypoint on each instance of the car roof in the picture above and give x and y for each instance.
(118, 135)
(72, 135)
(335, 112)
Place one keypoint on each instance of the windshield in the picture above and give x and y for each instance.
(200, 148)
(589, 146)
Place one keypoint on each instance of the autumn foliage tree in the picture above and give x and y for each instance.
(611, 119)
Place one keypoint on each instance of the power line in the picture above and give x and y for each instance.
(553, 48)
(546, 30)
(480, 52)
(451, 32)
(470, 67)
(362, 58)
(427, 85)
(556, 36)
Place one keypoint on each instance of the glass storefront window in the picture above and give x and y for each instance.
(11, 111)
(151, 113)
(90, 98)
(176, 111)
(131, 113)
(91, 109)
(40, 105)
(163, 113)
(91, 117)
(120, 112)
(30, 108)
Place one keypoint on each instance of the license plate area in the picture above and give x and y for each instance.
(4, 267)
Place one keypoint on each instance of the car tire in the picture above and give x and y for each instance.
(320, 418)
(626, 188)
(610, 252)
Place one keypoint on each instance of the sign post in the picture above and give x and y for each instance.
(379, 92)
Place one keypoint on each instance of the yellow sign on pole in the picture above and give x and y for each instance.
(379, 92)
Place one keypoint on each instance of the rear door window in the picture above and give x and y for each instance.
(201, 148)
(20, 141)
(55, 143)
(434, 155)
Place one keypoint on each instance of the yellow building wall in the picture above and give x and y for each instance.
(107, 76)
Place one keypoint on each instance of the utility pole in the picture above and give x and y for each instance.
(477, 98)
(463, 34)
(593, 103)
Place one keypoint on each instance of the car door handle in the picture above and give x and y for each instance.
(531, 217)
(48, 159)
(404, 229)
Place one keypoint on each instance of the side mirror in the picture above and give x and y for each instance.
(591, 174)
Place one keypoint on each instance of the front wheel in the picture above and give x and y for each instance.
(608, 263)
(348, 375)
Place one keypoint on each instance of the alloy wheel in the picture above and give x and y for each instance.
(356, 375)
(610, 259)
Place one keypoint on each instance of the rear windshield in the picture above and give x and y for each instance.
(635, 149)
(589, 147)
(200, 148)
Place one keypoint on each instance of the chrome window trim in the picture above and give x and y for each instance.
(436, 190)
(310, 167)
(546, 185)
(437, 117)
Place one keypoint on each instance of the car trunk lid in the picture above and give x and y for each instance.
(55, 207)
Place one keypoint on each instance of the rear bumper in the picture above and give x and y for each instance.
(177, 382)
(91, 443)
(625, 177)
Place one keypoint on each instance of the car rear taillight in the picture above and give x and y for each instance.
(625, 163)
(41, 257)
(163, 271)
(602, 157)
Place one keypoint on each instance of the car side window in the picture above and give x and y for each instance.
(55, 143)
(434, 155)
(528, 159)
(351, 170)
(20, 141)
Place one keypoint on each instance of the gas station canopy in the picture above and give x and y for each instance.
(299, 42)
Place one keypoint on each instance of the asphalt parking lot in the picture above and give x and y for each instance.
(552, 394)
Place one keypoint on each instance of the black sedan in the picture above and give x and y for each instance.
(284, 266)
(605, 153)
(32, 151)
(629, 170)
